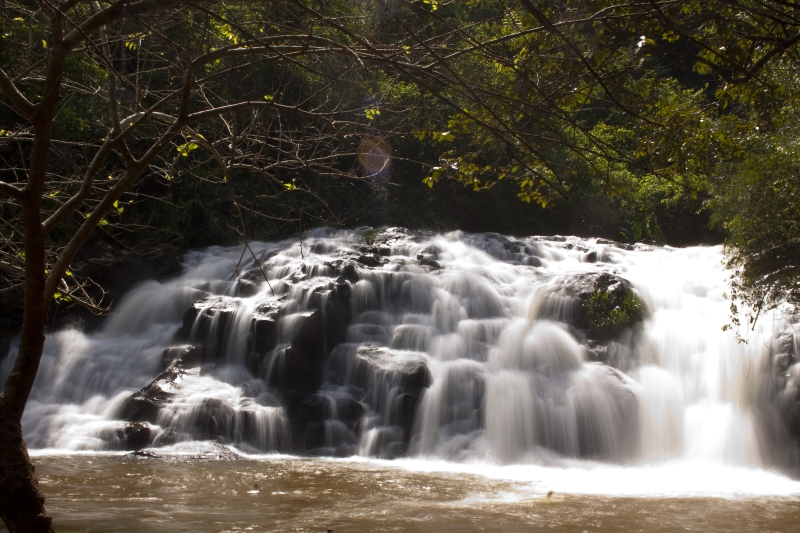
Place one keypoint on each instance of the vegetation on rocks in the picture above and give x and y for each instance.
(606, 314)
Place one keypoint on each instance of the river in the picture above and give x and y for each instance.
(99, 493)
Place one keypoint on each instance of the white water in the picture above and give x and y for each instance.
(513, 395)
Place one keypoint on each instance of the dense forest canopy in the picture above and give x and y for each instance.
(627, 121)
(149, 123)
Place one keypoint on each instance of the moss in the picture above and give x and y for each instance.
(370, 236)
(606, 314)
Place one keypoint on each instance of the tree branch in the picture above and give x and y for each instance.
(13, 192)
(22, 104)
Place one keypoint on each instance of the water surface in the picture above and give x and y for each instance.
(104, 493)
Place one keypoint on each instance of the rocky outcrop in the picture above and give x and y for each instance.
(391, 382)
(145, 404)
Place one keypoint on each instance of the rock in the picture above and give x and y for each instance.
(186, 356)
(370, 260)
(308, 422)
(144, 454)
(604, 305)
(246, 288)
(582, 286)
(620, 245)
(166, 437)
(348, 272)
(350, 411)
(298, 368)
(212, 419)
(263, 328)
(393, 382)
(428, 260)
(145, 404)
(137, 436)
(206, 321)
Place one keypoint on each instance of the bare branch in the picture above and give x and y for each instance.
(23, 106)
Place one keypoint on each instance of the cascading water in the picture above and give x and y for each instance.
(459, 347)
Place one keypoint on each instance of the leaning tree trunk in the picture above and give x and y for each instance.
(21, 503)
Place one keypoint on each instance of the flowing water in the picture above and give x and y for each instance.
(448, 379)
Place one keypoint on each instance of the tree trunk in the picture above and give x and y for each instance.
(21, 503)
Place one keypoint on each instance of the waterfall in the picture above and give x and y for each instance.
(457, 347)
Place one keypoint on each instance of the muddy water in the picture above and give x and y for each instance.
(103, 493)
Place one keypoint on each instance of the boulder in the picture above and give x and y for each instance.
(137, 436)
(605, 304)
(264, 326)
(212, 419)
(429, 261)
(145, 404)
(370, 260)
(393, 383)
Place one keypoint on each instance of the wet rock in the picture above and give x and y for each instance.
(508, 249)
(297, 369)
(393, 383)
(350, 411)
(186, 356)
(246, 288)
(371, 250)
(429, 261)
(166, 437)
(137, 436)
(370, 260)
(207, 320)
(145, 404)
(146, 454)
(264, 326)
(349, 272)
(582, 286)
(212, 419)
(308, 422)
(604, 305)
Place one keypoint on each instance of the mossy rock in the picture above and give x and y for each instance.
(606, 314)
(608, 304)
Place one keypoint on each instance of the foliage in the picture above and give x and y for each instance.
(606, 314)
(369, 236)
(758, 204)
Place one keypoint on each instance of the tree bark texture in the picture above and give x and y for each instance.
(21, 503)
